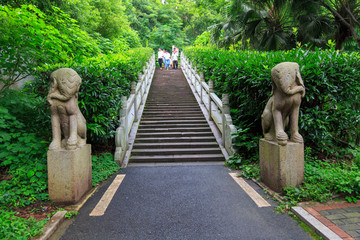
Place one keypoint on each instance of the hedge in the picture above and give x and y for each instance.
(330, 112)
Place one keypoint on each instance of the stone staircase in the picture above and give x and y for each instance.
(173, 127)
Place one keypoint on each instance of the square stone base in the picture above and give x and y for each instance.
(69, 174)
(281, 166)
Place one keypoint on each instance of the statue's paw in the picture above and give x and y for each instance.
(71, 147)
(54, 145)
(282, 138)
(297, 138)
(71, 144)
(269, 137)
(81, 142)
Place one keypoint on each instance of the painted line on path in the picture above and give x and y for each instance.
(104, 202)
(260, 201)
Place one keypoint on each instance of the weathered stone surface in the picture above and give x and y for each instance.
(66, 118)
(281, 166)
(283, 106)
(69, 173)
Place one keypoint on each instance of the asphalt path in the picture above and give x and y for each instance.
(181, 202)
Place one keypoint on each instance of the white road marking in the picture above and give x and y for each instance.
(261, 202)
(104, 202)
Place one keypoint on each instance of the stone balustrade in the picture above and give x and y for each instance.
(219, 110)
(129, 112)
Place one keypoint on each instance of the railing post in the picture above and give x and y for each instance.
(201, 86)
(121, 136)
(141, 86)
(133, 91)
(225, 110)
(211, 90)
(123, 114)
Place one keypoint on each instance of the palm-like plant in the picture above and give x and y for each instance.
(266, 23)
(325, 19)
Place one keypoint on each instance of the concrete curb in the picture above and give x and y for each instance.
(55, 221)
(315, 224)
(52, 225)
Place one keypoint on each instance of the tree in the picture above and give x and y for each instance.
(346, 18)
(267, 24)
(168, 30)
(29, 38)
(197, 16)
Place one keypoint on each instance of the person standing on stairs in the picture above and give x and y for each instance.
(167, 59)
(160, 57)
(174, 58)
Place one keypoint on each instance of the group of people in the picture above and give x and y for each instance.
(168, 60)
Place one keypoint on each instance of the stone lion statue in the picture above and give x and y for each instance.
(66, 118)
(283, 106)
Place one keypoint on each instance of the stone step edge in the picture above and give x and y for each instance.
(177, 144)
(146, 150)
(179, 157)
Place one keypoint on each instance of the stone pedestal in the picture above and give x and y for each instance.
(69, 174)
(281, 166)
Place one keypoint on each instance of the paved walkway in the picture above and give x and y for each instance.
(341, 218)
(181, 202)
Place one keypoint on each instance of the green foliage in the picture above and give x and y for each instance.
(204, 40)
(12, 227)
(22, 153)
(30, 38)
(103, 166)
(71, 214)
(250, 171)
(329, 118)
(168, 30)
(324, 180)
(105, 79)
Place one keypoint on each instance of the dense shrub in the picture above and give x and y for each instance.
(12, 227)
(103, 166)
(22, 151)
(330, 113)
(323, 180)
(105, 79)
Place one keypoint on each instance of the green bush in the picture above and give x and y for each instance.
(105, 79)
(323, 181)
(330, 112)
(103, 166)
(12, 227)
(22, 152)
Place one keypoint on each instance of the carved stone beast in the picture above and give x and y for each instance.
(283, 106)
(66, 118)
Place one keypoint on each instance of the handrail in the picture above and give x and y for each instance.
(219, 110)
(130, 107)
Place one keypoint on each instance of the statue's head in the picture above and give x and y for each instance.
(67, 81)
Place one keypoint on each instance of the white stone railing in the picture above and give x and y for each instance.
(129, 112)
(219, 110)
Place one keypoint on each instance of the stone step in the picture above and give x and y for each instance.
(173, 134)
(174, 129)
(172, 107)
(167, 105)
(174, 151)
(170, 117)
(175, 139)
(203, 121)
(173, 110)
(171, 101)
(177, 145)
(176, 124)
(178, 158)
